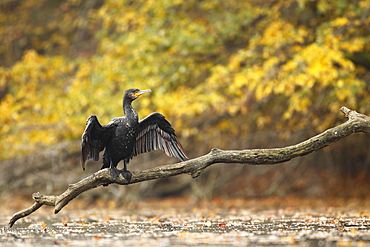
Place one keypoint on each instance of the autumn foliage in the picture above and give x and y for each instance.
(219, 70)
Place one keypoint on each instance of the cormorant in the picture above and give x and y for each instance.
(125, 137)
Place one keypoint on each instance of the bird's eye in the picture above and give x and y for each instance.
(131, 95)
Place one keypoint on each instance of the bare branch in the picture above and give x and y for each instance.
(356, 123)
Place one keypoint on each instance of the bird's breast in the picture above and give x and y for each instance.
(123, 141)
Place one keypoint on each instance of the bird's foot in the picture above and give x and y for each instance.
(126, 174)
(114, 172)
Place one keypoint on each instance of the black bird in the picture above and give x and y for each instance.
(125, 137)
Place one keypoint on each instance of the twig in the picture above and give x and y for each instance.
(356, 123)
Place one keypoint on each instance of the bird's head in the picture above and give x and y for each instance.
(133, 94)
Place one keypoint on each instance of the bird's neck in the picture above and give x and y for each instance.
(129, 111)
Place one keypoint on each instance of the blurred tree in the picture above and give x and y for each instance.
(220, 70)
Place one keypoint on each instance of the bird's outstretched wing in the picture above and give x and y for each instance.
(154, 133)
(94, 139)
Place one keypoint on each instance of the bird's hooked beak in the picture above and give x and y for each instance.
(137, 94)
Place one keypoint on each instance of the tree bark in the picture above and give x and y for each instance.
(356, 123)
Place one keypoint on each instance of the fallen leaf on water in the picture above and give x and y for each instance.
(64, 221)
(208, 223)
(155, 219)
(223, 225)
(344, 243)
